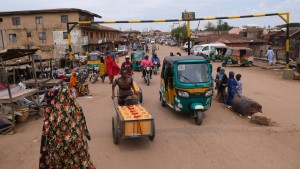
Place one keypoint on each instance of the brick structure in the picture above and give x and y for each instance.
(46, 29)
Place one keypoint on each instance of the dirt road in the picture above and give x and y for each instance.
(224, 140)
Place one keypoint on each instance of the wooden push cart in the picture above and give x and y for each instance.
(131, 122)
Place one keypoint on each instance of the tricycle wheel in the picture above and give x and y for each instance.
(250, 64)
(148, 80)
(163, 103)
(198, 117)
(115, 130)
(140, 96)
(151, 138)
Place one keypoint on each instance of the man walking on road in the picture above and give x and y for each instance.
(270, 54)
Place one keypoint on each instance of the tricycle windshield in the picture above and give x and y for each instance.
(93, 57)
(121, 48)
(228, 53)
(137, 56)
(193, 73)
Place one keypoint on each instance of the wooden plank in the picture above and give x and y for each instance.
(52, 83)
(18, 95)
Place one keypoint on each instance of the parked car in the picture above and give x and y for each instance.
(196, 49)
(207, 49)
(152, 41)
(185, 46)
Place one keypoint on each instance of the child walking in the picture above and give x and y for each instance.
(239, 86)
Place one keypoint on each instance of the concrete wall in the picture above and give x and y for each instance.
(51, 23)
(61, 44)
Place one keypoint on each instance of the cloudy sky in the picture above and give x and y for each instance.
(168, 9)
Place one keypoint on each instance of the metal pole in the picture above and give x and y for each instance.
(287, 43)
(189, 37)
(69, 44)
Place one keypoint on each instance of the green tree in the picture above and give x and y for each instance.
(210, 26)
(180, 31)
(223, 26)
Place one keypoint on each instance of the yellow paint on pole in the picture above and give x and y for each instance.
(209, 18)
(287, 45)
(189, 28)
(160, 20)
(259, 15)
(69, 38)
(85, 22)
(233, 17)
(71, 56)
(109, 21)
(134, 21)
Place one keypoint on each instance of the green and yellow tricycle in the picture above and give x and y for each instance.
(240, 56)
(136, 58)
(186, 85)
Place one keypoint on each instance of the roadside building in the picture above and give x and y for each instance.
(47, 30)
(234, 40)
(277, 39)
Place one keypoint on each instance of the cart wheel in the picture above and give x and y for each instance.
(115, 130)
(199, 117)
(151, 138)
(141, 96)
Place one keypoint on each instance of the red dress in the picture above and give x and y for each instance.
(112, 68)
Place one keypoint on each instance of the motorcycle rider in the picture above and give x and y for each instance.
(146, 63)
(94, 70)
(127, 65)
(55, 72)
(154, 59)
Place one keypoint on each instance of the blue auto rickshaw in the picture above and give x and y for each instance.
(136, 58)
(186, 85)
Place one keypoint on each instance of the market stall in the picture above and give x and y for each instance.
(8, 94)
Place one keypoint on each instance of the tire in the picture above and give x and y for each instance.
(223, 64)
(115, 130)
(163, 103)
(250, 64)
(199, 117)
(141, 96)
(93, 78)
(151, 138)
(148, 80)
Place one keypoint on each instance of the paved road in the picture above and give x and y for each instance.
(224, 140)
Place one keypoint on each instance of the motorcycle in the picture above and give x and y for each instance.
(147, 75)
(155, 67)
(94, 76)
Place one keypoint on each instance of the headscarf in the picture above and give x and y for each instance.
(65, 133)
(231, 75)
(73, 80)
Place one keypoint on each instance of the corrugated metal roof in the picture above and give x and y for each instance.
(100, 28)
(229, 38)
(10, 54)
(45, 11)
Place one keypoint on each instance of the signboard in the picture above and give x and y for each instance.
(188, 15)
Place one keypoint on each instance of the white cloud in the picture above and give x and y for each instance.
(167, 9)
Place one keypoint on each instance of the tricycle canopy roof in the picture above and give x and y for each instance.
(174, 59)
(10, 54)
(239, 48)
